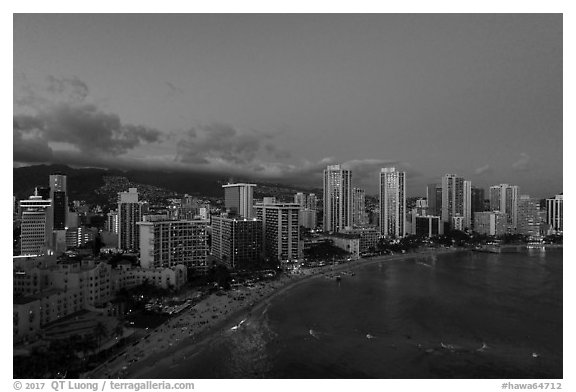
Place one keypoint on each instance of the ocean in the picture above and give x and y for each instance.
(458, 315)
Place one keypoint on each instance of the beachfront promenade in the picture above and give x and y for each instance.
(181, 336)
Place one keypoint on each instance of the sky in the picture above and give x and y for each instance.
(278, 97)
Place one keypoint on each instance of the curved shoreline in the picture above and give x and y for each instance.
(162, 357)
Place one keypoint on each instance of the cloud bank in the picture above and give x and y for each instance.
(56, 122)
(59, 113)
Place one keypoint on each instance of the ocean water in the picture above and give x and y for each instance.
(462, 315)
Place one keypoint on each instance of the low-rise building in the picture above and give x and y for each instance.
(167, 278)
(428, 225)
(45, 291)
(348, 242)
(458, 223)
(369, 237)
(31, 312)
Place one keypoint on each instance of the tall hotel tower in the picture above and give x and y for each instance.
(281, 228)
(59, 196)
(129, 213)
(36, 226)
(337, 198)
(359, 216)
(456, 200)
(504, 198)
(555, 213)
(238, 199)
(392, 202)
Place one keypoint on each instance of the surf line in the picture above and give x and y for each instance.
(234, 328)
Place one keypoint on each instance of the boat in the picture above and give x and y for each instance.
(338, 278)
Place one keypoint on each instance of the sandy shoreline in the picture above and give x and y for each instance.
(181, 336)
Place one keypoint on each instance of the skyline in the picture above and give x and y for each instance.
(279, 97)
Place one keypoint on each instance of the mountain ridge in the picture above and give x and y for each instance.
(83, 183)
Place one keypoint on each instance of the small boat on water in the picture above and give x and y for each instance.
(338, 278)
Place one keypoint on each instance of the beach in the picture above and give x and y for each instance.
(183, 335)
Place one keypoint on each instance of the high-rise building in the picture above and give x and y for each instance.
(359, 216)
(129, 213)
(312, 202)
(43, 191)
(36, 225)
(392, 202)
(167, 243)
(421, 204)
(490, 223)
(434, 197)
(281, 230)
(555, 213)
(58, 194)
(236, 242)
(337, 198)
(112, 222)
(529, 221)
(477, 197)
(300, 199)
(308, 210)
(189, 208)
(467, 221)
(308, 218)
(456, 199)
(238, 199)
(79, 236)
(504, 198)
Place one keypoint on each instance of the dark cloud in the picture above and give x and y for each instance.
(277, 152)
(31, 149)
(223, 143)
(57, 111)
(87, 128)
(24, 122)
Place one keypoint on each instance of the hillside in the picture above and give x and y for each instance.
(100, 186)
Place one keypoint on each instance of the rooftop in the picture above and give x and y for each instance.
(345, 235)
(237, 184)
(22, 300)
